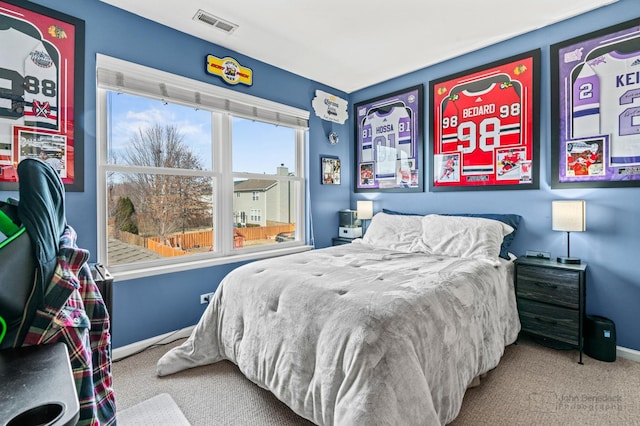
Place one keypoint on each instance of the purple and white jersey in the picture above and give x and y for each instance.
(605, 84)
(386, 136)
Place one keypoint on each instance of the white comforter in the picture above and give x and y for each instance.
(351, 335)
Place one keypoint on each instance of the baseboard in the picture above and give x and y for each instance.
(134, 348)
(626, 353)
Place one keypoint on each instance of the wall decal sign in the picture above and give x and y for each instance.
(330, 107)
(229, 70)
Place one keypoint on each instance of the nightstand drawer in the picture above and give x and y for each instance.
(549, 285)
(549, 321)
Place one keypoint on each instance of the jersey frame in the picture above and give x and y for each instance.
(388, 135)
(45, 100)
(484, 128)
(574, 163)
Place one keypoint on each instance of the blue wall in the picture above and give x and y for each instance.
(611, 244)
(148, 307)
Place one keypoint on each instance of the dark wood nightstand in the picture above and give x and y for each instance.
(551, 300)
(338, 241)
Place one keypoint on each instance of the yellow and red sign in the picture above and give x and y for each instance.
(229, 70)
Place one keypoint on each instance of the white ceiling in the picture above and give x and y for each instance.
(352, 44)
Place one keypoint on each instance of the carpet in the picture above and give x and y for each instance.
(533, 385)
(159, 410)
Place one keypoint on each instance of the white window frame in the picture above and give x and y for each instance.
(222, 173)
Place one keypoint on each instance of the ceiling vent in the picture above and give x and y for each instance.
(214, 21)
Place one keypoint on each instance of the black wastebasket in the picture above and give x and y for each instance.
(600, 338)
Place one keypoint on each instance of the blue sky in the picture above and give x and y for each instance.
(258, 147)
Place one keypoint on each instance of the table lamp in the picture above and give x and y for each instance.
(365, 212)
(568, 216)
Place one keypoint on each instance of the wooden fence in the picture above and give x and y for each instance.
(264, 232)
(188, 240)
(128, 237)
(163, 249)
(177, 244)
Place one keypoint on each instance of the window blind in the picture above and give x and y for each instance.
(121, 76)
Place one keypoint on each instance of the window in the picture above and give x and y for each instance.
(256, 216)
(190, 174)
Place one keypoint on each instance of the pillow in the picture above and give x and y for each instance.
(461, 236)
(512, 220)
(394, 232)
(387, 211)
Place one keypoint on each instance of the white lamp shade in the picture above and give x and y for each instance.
(568, 215)
(365, 209)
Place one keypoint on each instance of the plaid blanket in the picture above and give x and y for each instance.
(75, 313)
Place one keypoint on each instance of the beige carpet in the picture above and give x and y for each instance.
(216, 394)
(533, 385)
(158, 410)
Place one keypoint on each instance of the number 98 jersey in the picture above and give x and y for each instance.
(475, 123)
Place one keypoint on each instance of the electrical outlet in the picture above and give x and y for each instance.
(205, 298)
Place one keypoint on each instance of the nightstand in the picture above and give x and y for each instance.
(551, 300)
(338, 241)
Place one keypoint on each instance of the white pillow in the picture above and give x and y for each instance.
(459, 236)
(394, 232)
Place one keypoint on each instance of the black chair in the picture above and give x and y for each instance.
(32, 226)
(17, 273)
(38, 219)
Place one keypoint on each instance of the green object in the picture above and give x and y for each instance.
(7, 227)
(15, 235)
(4, 329)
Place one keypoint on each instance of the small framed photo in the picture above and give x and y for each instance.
(330, 170)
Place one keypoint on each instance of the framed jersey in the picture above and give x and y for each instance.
(484, 130)
(389, 142)
(595, 109)
(41, 91)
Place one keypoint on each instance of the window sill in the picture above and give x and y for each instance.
(206, 263)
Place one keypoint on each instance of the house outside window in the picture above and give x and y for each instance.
(176, 178)
(256, 216)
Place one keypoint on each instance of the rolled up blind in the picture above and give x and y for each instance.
(121, 76)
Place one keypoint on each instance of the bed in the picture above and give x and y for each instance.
(388, 330)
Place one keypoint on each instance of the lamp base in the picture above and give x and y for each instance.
(569, 260)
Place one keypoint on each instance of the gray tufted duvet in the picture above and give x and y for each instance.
(351, 335)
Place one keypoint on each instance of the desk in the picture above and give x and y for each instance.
(37, 386)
